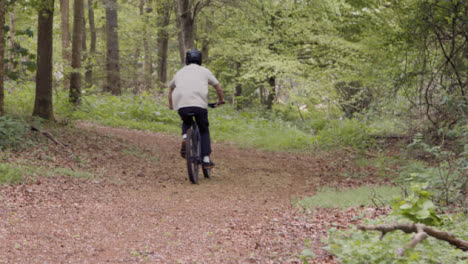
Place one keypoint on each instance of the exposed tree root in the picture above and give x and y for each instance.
(422, 232)
(49, 136)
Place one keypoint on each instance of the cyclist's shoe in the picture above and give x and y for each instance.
(208, 165)
(182, 149)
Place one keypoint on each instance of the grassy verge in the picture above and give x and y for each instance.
(332, 198)
(11, 174)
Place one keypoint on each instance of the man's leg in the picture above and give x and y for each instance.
(203, 124)
(186, 124)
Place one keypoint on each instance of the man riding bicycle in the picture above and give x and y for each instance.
(188, 95)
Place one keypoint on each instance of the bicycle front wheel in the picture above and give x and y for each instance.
(191, 150)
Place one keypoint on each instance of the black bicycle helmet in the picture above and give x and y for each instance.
(193, 56)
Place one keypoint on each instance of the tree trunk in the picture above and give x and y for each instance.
(92, 45)
(148, 64)
(163, 40)
(112, 65)
(186, 18)
(2, 54)
(43, 102)
(238, 87)
(11, 55)
(77, 45)
(272, 95)
(65, 28)
(206, 38)
(180, 35)
(84, 48)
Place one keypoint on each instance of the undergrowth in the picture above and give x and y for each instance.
(247, 128)
(354, 246)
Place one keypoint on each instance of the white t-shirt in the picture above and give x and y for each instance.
(190, 86)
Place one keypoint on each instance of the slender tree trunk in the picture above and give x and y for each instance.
(206, 38)
(77, 45)
(84, 47)
(2, 55)
(11, 55)
(65, 28)
(180, 35)
(272, 95)
(238, 87)
(92, 48)
(148, 65)
(163, 40)
(113, 67)
(43, 102)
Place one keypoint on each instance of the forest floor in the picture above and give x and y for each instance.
(122, 196)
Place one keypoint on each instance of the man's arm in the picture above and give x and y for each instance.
(170, 98)
(219, 91)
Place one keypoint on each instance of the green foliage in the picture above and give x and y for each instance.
(360, 196)
(21, 59)
(359, 247)
(141, 112)
(353, 97)
(446, 178)
(19, 98)
(250, 129)
(352, 133)
(417, 207)
(12, 132)
(10, 174)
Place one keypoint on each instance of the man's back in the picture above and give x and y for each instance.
(191, 86)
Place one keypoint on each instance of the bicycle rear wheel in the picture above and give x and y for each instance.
(191, 149)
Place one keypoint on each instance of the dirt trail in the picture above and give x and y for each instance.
(140, 206)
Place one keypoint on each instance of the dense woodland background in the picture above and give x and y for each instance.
(298, 74)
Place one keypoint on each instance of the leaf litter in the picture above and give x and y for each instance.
(137, 205)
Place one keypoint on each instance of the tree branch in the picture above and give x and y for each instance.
(422, 231)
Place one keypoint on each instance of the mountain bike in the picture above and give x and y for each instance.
(193, 151)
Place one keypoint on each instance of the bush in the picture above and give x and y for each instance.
(445, 177)
(12, 132)
(339, 133)
(354, 246)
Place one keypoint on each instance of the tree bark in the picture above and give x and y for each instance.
(11, 55)
(65, 28)
(112, 44)
(92, 45)
(206, 38)
(84, 48)
(162, 42)
(180, 35)
(186, 17)
(2, 55)
(43, 106)
(187, 10)
(77, 45)
(148, 63)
